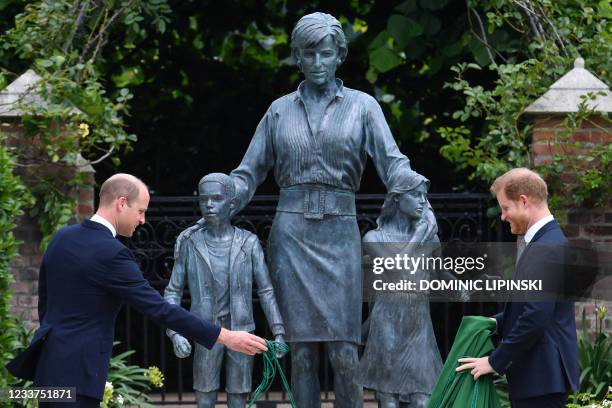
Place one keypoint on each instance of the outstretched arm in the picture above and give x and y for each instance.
(265, 291)
(174, 291)
(380, 144)
(387, 158)
(257, 161)
(123, 279)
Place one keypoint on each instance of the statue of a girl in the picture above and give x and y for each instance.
(401, 360)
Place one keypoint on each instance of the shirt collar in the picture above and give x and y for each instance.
(536, 227)
(104, 221)
(339, 90)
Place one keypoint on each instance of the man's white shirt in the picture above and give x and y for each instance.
(536, 227)
(104, 221)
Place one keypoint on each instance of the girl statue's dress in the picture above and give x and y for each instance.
(401, 356)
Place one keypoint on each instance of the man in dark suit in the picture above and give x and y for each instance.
(85, 277)
(538, 351)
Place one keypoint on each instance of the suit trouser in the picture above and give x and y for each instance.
(81, 402)
(545, 401)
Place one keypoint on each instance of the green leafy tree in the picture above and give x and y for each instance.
(63, 42)
(554, 33)
(14, 197)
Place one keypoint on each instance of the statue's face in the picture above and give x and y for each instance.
(413, 202)
(214, 203)
(319, 63)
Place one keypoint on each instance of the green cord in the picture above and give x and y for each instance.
(271, 364)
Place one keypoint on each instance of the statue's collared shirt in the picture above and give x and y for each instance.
(315, 266)
(352, 127)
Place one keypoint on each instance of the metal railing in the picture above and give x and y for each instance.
(460, 217)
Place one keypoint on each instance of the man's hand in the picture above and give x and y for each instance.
(480, 366)
(242, 342)
(280, 339)
(182, 348)
(495, 320)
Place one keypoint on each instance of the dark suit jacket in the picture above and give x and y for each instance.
(539, 350)
(85, 278)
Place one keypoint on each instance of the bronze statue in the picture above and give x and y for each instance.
(219, 263)
(401, 360)
(316, 140)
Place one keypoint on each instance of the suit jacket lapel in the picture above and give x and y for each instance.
(200, 245)
(237, 243)
(545, 228)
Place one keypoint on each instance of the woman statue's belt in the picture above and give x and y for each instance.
(317, 201)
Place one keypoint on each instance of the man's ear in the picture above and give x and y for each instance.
(524, 200)
(119, 204)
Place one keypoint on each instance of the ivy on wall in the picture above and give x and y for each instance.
(63, 40)
(77, 124)
(14, 198)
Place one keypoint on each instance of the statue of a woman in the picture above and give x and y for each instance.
(316, 140)
(401, 360)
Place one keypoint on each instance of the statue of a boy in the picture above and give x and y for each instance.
(219, 264)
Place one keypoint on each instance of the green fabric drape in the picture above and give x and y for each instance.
(458, 389)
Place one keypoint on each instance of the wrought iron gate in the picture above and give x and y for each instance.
(459, 216)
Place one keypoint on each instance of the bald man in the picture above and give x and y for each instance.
(85, 277)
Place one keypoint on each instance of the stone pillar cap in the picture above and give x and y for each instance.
(22, 91)
(566, 95)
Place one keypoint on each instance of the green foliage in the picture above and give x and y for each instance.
(14, 197)
(553, 33)
(63, 40)
(56, 209)
(586, 400)
(589, 166)
(595, 360)
(128, 384)
(503, 144)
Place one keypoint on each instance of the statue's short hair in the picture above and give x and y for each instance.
(312, 28)
(521, 181)
(120, 185)
(225, 180)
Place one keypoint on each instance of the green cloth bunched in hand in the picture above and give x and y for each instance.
(458, 389)
(271, 365)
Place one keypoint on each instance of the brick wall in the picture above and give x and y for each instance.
(585, 227)
(590, 315)
(24, 267)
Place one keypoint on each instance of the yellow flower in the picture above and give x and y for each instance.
(108, 392)
(601, 313)
(84, 129)
(156, 378)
